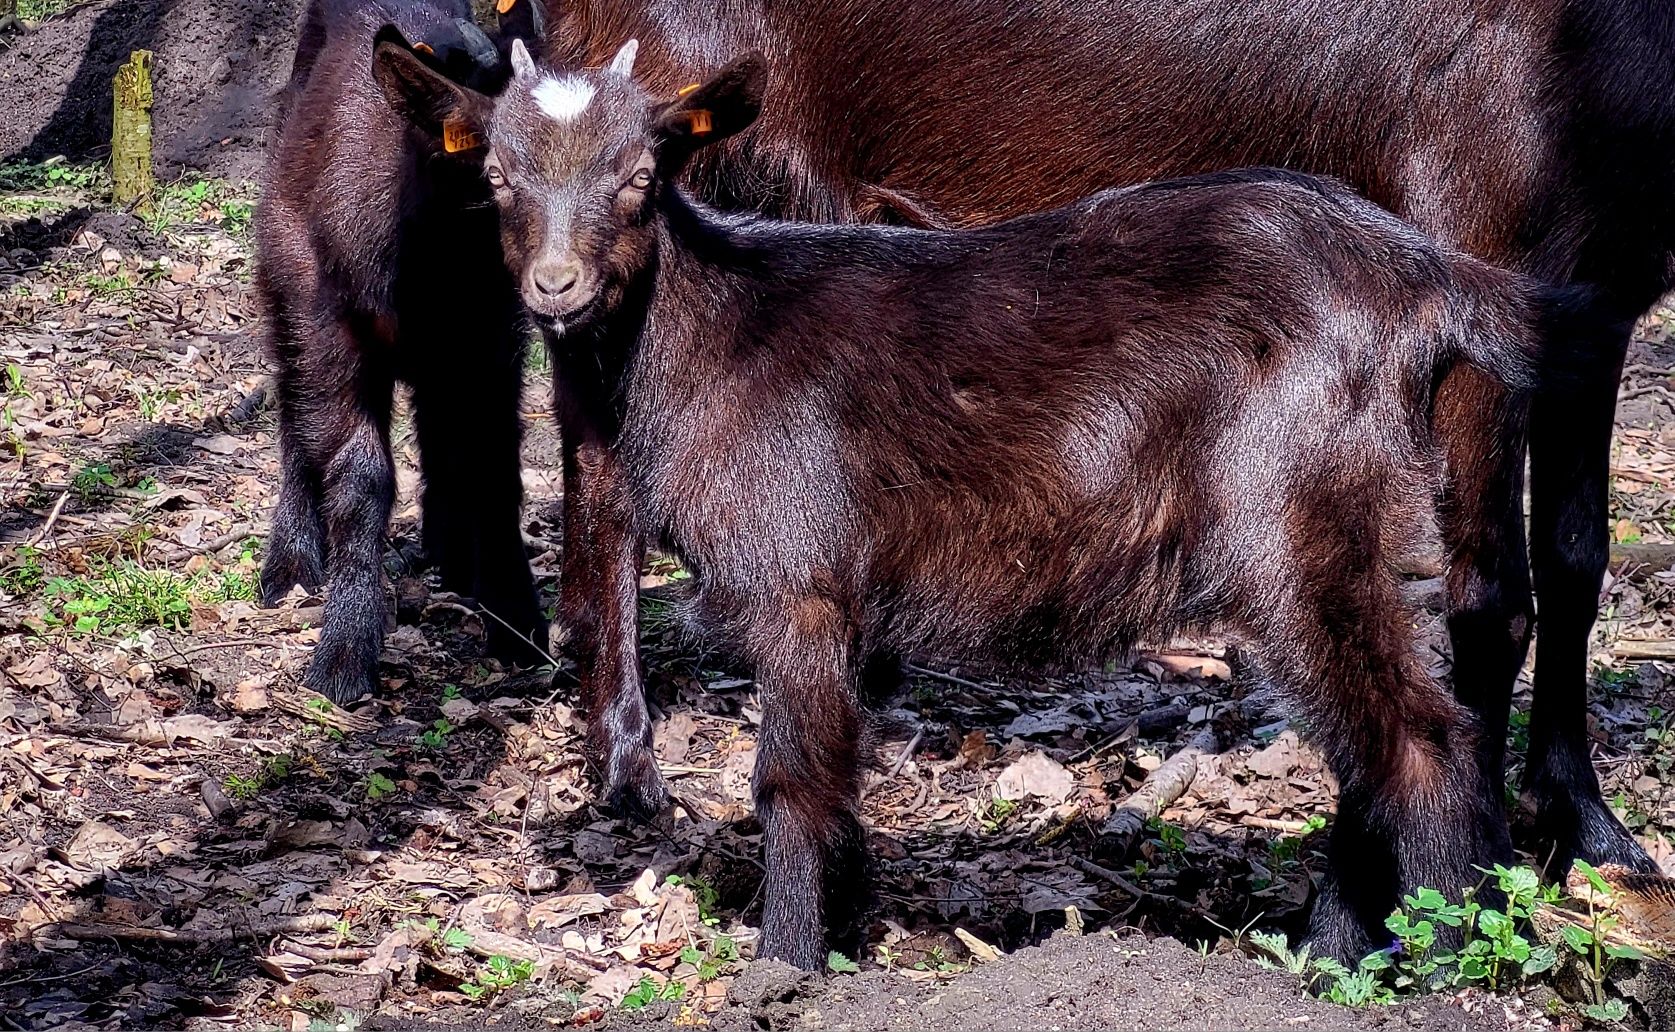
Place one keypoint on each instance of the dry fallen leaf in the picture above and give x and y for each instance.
(1037, 775)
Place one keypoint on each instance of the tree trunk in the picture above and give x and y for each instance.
(131, 182)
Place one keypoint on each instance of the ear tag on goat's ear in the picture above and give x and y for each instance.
(505, 5)
(456, 137)
(424, 48)
(700, 120)
(684, 90)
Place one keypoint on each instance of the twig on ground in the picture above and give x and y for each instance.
(907, 751)
(950, 678)
(52, 518)
(254, 929)
(1160, 788)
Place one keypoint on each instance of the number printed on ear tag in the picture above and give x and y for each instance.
(456, 137)
(701, 121)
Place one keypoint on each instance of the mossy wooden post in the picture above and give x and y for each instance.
(131, 133)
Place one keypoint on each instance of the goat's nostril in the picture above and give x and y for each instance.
(553, 280)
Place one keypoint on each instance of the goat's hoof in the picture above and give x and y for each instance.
(639, 792)
(339, 675)
(282, 572)
(525, 647)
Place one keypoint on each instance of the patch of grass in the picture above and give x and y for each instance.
(33, 205)
(1287, 848)
(53, 173)
(24, 572)
(35, 10)
(271, 772)
(1169, 836)
(125, 593)
(195, 200)
(118, 285)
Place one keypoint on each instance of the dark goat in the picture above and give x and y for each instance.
(379, 262)
(1203, 402)
(1537, 134)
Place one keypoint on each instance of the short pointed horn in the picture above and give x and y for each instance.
(623, 63)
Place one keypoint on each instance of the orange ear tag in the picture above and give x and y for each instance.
(701, 121)
(505, 5)
(456, 137)
(424, 48)
(684, 90)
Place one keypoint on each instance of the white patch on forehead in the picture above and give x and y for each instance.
(563, 99)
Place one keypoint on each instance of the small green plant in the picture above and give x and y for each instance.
(937, 960)
(1171, 837)
(650, 991)
(24, 573)
(1287, 848)
(378, 786)
(1493, 950)
(500, 973)
(92, 481)
(271, 772)
(710, 962)
(838, 964)
(450, 692)
(996, 813)
(108, 286)
(1598, 955)
(705, 895)
(1359, 988)
(14, 382)
(437, 736)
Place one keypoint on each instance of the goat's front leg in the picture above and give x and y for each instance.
(599, 598)
(808, 787)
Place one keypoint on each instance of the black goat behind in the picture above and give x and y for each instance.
(1197, 403)
(379, 262)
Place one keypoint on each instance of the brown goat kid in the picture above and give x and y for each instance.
(377, 262)
(1538, 135)
(1195, 403)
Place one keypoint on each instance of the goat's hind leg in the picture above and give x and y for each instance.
(1414, 806)
(807, 788)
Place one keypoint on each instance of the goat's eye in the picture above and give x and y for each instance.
(641, 180)
(496, 178)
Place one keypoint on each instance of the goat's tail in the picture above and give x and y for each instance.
(1534, 338)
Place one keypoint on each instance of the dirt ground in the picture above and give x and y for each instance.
(217, 63)
(187, 838)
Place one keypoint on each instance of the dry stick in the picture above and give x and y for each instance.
(52, 518)
(950, 678)
(1641, 649)
(907, 750)
(302, 923)
(1160, 788)
(322, 954)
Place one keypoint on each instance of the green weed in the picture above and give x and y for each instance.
(649, 991)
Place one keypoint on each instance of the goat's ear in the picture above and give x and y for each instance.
(454, 115)
(709, 111)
